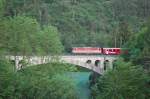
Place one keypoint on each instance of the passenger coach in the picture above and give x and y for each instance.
(98, 50)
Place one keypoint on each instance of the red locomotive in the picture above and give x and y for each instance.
(97, 50)
(111, 51)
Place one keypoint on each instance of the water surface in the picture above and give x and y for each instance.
(82, 83)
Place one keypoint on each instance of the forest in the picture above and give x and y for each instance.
(53, 27)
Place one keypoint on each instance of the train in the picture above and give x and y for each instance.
(98, 50)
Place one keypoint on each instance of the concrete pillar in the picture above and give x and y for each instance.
(17, 59)
(111, 64)
(102, 66)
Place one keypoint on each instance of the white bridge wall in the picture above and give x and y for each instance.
(79, 60)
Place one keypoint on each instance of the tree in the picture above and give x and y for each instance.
(2, 3)
(126, 81)
(7, 77)
(50, 42)
(139, 45)
(47, 82)
(18, 35)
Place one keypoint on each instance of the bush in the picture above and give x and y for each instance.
(124, 82)
(42, 82)
(6, 80)
(39, 82)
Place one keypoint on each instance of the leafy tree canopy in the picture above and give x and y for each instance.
(126, 81)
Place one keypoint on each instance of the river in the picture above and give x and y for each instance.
(82, 83)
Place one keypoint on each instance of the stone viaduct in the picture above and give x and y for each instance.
(97, 63)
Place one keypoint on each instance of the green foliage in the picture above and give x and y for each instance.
(39, 82)
(124, 82)
(102, 23)
(52, 68)
(20, 36)
(50, 42)
(33, 27)
(139, 44)
(44, 82)
(2, 3)
(6, 80)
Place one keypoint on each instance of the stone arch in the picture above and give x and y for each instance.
(88, 61)
(106, 64)
(97, 62)
(22, 63)
(12, 62)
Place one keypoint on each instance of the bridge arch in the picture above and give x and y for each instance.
(12, 62)
(97, 63)
(89, 61)
(65, 64)
(106, 64)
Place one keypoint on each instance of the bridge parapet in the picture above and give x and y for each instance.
(94, 63)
